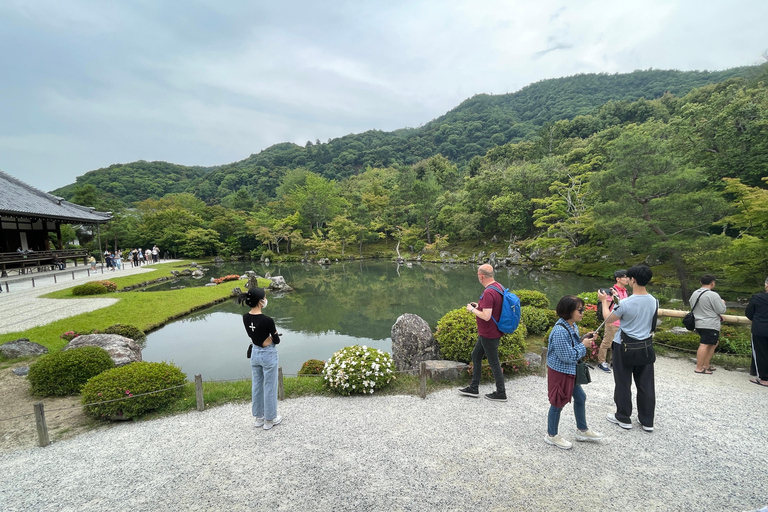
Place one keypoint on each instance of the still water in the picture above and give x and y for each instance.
(334, 307)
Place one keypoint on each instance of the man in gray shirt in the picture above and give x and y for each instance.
(707, 308)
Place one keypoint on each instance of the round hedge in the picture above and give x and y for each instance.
(64, 373)
(127, 331)
(536, 320)
(128, 382)
(532, 298)
(93, 288)
(312, 367)
(457, 334)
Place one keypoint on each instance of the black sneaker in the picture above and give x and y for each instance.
(496, 396)
(469, 391)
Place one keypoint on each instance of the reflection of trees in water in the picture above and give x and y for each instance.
(364, 298)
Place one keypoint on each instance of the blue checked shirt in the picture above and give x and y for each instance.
(565, 348)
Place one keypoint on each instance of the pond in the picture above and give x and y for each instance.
(334, 307)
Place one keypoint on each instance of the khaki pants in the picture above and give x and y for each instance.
(610, 332)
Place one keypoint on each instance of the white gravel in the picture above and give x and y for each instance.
(447, 452)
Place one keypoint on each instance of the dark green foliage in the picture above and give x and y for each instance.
(64, 373)
(312, 367)
(735, 340)
(457, 334)
(93, 288)
(688, 341)
(532, 298)
(537, 320)
(128, 331)
(128, 382)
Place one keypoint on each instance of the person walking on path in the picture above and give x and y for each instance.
(488, 335)
(757, 311)
(564, 350)
(619, 292)
(637, 314)
(263, 353)
(708, 307)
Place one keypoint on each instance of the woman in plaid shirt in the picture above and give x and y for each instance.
(565, 349)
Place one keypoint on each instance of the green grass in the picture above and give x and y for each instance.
(147, 311)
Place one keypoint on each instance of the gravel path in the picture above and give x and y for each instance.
(447, 452)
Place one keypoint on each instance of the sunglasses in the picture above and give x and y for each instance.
(580, 310)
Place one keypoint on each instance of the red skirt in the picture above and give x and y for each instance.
(560, 387)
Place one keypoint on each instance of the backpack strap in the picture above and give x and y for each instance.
(502, 302)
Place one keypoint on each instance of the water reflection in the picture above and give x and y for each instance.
(333, 307)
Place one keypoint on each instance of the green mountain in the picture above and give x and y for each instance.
(469, 130)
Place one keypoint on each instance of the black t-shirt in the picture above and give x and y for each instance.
(259, 328)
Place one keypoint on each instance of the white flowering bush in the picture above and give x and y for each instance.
(358, 369)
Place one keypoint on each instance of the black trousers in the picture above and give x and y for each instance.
(759, 357)
(622, 393)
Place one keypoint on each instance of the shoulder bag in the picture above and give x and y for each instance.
(582, 368)
(639, 352)
(689, 321)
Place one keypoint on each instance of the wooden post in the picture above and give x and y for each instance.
(33, 282)
(54, 279)
(543, 368)
(423, 379)
(199, 392)
(73, 272)
(280, 388)
(42, 428)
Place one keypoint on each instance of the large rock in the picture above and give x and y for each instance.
(412, 342)
(22, 348)
(122, 350)
(278, 284)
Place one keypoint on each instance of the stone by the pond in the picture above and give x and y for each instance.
(21, 371)
(680, 330)
(412, 342)
(534, 360)
(278, 284)
(122, 350)
(22, 348)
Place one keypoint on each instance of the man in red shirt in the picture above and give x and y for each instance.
(619, 292)
(488, 335)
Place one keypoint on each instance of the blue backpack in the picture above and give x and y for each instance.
(510, 311)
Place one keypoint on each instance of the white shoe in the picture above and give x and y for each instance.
(258, 421)
(271, 423)
(558, 441)
(612, 418)
(647, 429)
(588, 435)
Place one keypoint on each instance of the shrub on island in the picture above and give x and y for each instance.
(92, 288)
(132, 381)
(312, 367)
(127, 331)
(65, 373)
(532, 298)
(457, 334)
(358, 370)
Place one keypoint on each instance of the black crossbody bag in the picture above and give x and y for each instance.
(639, 352)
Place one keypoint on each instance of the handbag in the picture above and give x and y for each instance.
(582, 373)
(689, 321)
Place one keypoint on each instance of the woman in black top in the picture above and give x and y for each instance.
(264, 337)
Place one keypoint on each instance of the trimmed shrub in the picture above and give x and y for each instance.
(312, 367)
(70, 335)
(109, 285)
(65, 373)
(457, 334)
(127, 331)
(735, 340)
(129, 382)
(532, 298)
(688, 341)
(358, 369)
(92, 288)
(537, 321)
(230, 277)
(589, 321)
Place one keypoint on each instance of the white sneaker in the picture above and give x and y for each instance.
(271, 423)
(612, 418)
(588, 435)
(258, 421)
(558, 441)
(647, 429)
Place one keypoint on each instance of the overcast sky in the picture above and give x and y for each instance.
(86, 84)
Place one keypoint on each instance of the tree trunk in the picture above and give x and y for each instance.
(682, 276)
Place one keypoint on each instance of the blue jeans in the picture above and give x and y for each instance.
(264, 382)
(489, 347)
(579, 410)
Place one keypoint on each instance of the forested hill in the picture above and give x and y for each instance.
(471, 129)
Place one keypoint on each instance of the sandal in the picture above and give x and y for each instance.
(757, 381)
(705, 371)
(711, 368)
